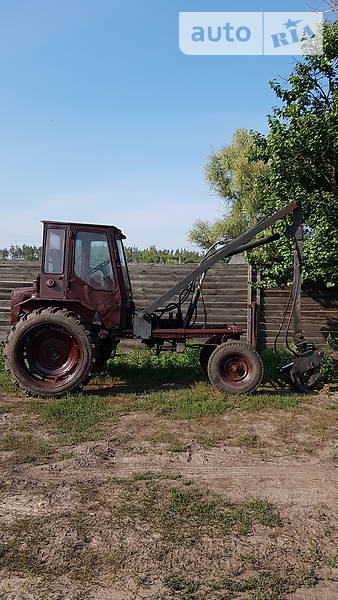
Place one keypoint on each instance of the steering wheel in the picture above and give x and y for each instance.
(100, 267)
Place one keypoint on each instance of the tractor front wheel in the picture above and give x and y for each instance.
(50, 352)
(235, 368)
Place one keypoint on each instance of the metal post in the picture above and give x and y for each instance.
(297, 279)
(249, 307)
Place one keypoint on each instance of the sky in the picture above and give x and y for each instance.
(103, 119)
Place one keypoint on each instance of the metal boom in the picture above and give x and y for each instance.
(234, 247)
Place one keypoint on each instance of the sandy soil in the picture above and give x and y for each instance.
(60, 510)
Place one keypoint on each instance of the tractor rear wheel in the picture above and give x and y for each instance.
(50, 352)
(235, 368)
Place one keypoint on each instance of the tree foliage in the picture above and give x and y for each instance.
(232, 174)
(134, 254)
(154, 255)
(301, 155)
(298, 159)
(24, 252)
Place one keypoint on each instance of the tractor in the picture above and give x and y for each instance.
(67, 325)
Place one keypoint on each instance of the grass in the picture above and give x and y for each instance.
(142, 382)
(5, 381)
(76, 418)
(86, 416)
(202, 400)
(25, 448)
(153, 527)
(186, 513)
(250, 440)
(165, 521)
(142, 370)
(180, 515)
(26, 539)
(94, 414)
(207, 439)
(269, 585)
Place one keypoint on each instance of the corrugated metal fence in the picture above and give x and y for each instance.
(228, 296)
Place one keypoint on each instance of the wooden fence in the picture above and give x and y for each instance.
(228, 295)
(319, 316)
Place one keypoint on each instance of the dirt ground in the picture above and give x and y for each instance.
(239, 505)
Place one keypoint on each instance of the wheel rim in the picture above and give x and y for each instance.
(236, 369)
(49, 355)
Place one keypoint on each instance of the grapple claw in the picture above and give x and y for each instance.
(304, 371)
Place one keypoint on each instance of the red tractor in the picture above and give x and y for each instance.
(67, 325)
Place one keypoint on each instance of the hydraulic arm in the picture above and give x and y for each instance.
(306, 357)
(233, 247)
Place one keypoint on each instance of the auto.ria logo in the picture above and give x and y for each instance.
(217, 33)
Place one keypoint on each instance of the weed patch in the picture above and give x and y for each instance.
(250, 440)
(5, 380)
(270, 585)
(202, 400)
(144, 370)
(186, 513)
(77, 418)
(86, 416)
(25, 448)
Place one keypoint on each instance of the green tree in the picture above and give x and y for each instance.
(153, 255)
(133, 253)
(298, 159)
(232, 174)
(24, 252)
(301, 155)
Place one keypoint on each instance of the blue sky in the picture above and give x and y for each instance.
(104, 120)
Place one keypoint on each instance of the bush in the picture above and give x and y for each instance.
(144, 368)
(273, 361)
(327, 369)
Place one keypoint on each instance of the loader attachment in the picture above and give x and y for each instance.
(304, 370)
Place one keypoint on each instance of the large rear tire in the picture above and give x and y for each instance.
(50, 352)
(235, 368)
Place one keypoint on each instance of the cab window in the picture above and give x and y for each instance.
(123, 262)
(92, 262)
(55, 251)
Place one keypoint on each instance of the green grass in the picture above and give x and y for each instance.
(77, 418)
(160, 385)
(202, 400)
(187, 513)
(143, 370)
(5, 380)
(270, 585)
(249, 440)
(166, 520)
(25, 448)
(84, 416)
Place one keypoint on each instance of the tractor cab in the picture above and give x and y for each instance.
(86, 265)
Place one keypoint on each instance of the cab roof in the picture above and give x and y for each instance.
(116, 230)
